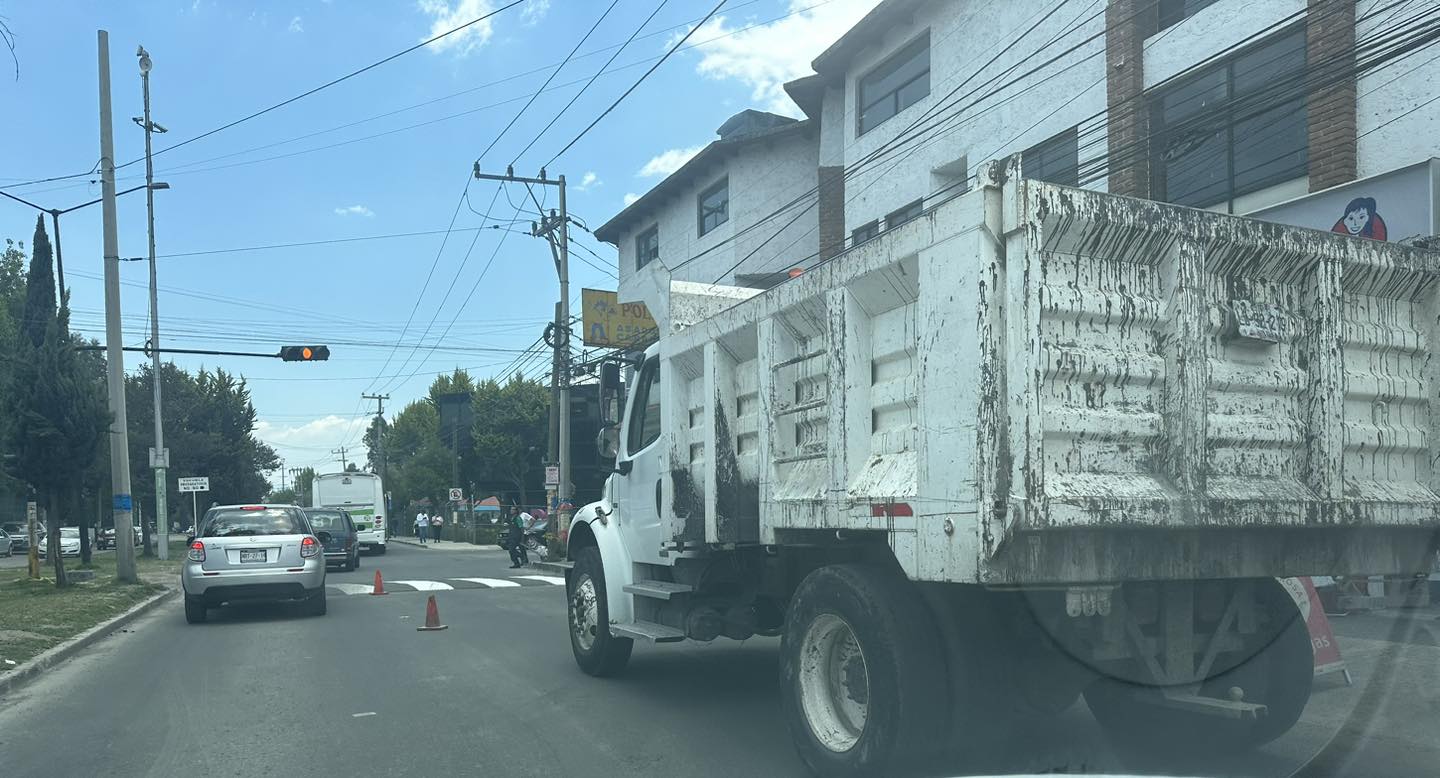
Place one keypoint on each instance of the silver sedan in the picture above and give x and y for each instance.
(248, 553)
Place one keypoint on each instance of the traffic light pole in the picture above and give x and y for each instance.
(548, 227)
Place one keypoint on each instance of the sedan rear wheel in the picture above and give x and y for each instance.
(195, 611)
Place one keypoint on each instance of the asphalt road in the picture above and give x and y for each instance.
(261, 690)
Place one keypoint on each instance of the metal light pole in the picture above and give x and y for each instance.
(159, 456)
(120, 506)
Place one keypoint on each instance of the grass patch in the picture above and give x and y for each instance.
(35, 616)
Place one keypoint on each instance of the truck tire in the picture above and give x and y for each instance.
(1279, 675)
(194, 610)
(597, 652)
(862, 679)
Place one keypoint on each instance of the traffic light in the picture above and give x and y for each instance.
(304, 353)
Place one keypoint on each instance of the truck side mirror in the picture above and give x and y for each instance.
(609, 376)
(607, 441)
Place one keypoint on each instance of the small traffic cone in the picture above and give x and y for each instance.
(432, 617)
(379, 584)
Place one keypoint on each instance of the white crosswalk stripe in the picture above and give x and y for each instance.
(493, 583)
(550, 579)
(426, 586)
(353, 588)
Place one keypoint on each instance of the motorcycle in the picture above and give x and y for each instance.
(533, 540)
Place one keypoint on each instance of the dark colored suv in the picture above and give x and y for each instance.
(343, 548)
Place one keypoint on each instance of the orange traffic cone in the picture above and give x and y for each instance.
(432, 618)
(379, 584)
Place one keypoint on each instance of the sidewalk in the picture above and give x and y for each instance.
(448, 545)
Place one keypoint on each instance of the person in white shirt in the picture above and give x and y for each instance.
(422, 526)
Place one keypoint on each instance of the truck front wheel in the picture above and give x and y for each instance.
(862, 677)
(597, 652)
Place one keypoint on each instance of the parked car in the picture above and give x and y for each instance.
(5, 549)
(69, 542)
(105, 538)
(248, 553)
(19, 538)
(343, 548)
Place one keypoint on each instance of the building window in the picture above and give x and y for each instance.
(1235, 128)
(864, 233)
(1172, 12)
(714, 206)
(896, 218)
(1056, 160)
(895, 84)
(647, 247)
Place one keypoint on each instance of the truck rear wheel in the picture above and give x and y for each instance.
(862, 678)
(597, 652)
(1278, 674)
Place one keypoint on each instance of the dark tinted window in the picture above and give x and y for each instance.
(896, 218)
(895, 84)
(864, 233)
(330, 521)
(647, 247)
(714, 206)
(1235, 128)
(645, 425)
(231, 522)
(1056, 160)
(1176, 11)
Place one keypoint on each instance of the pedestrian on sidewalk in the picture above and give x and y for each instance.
(422, 526)
(518, 522)
(437, 523)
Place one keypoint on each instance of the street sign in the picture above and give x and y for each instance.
(608, 322)
(32, 512)
(552, 475)
(159, 458)
(456, 495)
(199, 483)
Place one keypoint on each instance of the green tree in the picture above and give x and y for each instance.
(58, 413)
(305, 485)
(511, 424)
(283, 497)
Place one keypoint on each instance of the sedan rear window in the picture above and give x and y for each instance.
(230, 522)
(331, 521)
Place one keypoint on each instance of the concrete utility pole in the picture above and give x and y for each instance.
(379, 438)
(120, 506)
(555, 227)
(159, 456)
(295, 476)
(341, 452)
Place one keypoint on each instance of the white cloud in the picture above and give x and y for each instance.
(630, 198)
(446, 17)
(309, 441)
(295, 26)
(533, 12)
(765, 57)
(354, 210)
(667, 162)
(588, 180)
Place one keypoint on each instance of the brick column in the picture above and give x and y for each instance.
(1127, 22)
(1330, 102)
(832, 210)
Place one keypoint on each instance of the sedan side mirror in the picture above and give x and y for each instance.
(190, 541)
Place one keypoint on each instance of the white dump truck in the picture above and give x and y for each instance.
(1038, 443)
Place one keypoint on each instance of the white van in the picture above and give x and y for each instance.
(363, 497)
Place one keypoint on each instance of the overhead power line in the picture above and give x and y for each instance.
(635, 85)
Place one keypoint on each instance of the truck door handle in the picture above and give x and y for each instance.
(657, 496)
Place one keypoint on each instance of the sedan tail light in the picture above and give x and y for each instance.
(309, 547)
(197, 552)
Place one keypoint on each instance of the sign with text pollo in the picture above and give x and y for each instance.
(613, 324)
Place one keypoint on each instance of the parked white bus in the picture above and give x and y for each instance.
(363, 497)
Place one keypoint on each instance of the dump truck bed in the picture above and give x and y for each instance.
(1032, 383)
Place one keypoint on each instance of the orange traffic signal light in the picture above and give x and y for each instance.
(304, 353)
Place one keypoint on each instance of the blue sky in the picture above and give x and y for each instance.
(261, 183)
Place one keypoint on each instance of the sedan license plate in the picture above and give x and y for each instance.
(257, 555)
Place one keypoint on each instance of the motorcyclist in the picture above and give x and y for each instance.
(519, 521)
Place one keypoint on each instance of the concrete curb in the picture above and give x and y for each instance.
(446, 544)
(14, 679)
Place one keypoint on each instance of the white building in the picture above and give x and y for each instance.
(1231, 105)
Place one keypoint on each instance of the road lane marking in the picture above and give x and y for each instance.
(493, 583)
(360, 715)
(426, 586)
(550, 579)
(352, 588)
